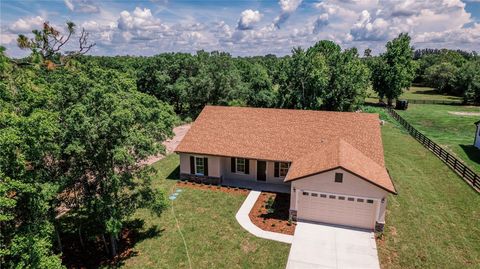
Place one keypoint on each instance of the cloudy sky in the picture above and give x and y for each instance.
(247, 27)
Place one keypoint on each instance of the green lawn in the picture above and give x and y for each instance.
(213, 236)
(434, 221)
(454, 133)
(419, 93)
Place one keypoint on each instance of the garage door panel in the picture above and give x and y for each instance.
(342, 212)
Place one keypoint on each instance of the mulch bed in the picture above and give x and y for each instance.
(276, 221)
(201, 186)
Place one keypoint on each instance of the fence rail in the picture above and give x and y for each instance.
(455, 164)
(435, 102)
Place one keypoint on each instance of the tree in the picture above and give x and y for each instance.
(349, 81)
(395, 69)
(47, 44)
(108, 128)
(367, 52)
(27, 191)
(468, 81)
(442, 76)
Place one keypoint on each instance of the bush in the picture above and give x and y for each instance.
(269, 205)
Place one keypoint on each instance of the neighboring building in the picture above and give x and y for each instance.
(476, 141)
(332, 161)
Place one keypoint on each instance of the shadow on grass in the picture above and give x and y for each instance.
(93, 253)
(472, 152)
(175, 174)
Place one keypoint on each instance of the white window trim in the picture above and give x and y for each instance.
(195, 164)
(280, 169)
(244, 166)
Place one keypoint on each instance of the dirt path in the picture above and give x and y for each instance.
(170, 144)
(464, 113)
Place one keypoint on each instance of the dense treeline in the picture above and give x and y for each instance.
(453, 72)
(74, 128)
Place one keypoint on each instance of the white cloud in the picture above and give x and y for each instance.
(368, 28)
(26, 25)
(320, 23)
(82, 6)
(288, 7)
(6, 38)
(248, 19)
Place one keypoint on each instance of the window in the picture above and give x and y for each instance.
(323, 195)
(341, 197)
(351, 199)
(284, 169)
(240, 164)
(360, 200)
(370, 201)
(314, 194)
(305, 193)
(332, 196)
(199, 166)
(339, 177)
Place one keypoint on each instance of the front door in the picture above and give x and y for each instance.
(261, 170)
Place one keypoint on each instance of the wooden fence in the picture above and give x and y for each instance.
(459, 167)
(435, 102)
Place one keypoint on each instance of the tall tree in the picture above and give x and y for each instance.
(395, 70)
(48, 44)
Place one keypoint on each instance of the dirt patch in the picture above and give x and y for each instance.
(199, 186)
(458, 113)
(170, 144)
(271, 213)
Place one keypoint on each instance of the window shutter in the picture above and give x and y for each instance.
(276, 173)
(247, 166)
(205, 166)
(192, 165)
(234, 168)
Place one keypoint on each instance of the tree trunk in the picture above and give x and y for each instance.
(389, 101)
(59, 241)
(105, 244)
(113, 245)
(80, 236)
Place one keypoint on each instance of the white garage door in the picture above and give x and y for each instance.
(336, 209)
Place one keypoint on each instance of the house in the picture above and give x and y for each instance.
(476, 140)
(332, 162)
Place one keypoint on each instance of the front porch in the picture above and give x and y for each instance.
(257, 185)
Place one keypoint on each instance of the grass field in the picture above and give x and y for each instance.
(419, 93)
(432, 223)
(212, 234)
(454, 133)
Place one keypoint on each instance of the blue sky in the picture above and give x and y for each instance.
(247, 27)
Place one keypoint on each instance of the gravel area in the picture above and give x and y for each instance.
(170, 144)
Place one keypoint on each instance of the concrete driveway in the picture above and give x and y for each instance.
(323, 246)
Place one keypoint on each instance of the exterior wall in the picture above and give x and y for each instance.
(220, 167)
(351, 185)
(227, 170)
(477, 137)
(214, 165)
(271, 174)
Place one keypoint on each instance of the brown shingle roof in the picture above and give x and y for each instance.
(284, 135)
(340, 154)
